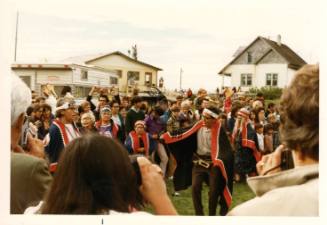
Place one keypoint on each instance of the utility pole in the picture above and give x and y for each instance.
(15, 57)
(223, 76)
(180, 78)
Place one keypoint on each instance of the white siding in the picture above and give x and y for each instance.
(290, 75)
(263, 69)
(27, 73)
(40, 76)
(117, 62)
(259, 72)
(237, 70)
(55, 77)
(95, 77)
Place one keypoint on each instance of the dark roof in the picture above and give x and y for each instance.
(286, 52)
(293, 59)
(126, 57)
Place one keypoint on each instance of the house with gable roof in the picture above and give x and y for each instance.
(130, 71)
(263, 63)
(82, 72)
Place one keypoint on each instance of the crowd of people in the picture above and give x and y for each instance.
(84, 151)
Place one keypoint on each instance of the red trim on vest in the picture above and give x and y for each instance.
(249, 143)
(136, 144)
(114, 130)
(215, 133)
(53, 167)
(62, 130)
(171, 139)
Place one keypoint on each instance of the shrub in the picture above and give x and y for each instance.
(268, 92)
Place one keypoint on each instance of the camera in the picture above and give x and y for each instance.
(27, 130)
(133, 159)
(287, 161)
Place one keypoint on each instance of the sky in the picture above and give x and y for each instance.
(198, 36)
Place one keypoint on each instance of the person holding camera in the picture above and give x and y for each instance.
(29, 172)
(96, 176)
(292, 192)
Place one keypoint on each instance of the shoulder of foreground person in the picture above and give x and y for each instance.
(297, 200)
(36, 210)
(136, 213)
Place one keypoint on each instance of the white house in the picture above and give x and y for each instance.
(79, 77)
(263, 63)
(130, 71)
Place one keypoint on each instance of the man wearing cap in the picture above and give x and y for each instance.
(62, 131)
(245, 141)
(140, 142)
(203, 154)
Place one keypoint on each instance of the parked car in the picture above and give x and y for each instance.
(151, 95)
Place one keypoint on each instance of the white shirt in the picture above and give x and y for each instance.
(260, 141)
(116, 119)
(51, 100)
(204, 141)
(71, 133)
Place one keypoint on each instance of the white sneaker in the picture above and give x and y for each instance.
(176, 194)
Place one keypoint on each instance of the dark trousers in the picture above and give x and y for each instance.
(212, 176)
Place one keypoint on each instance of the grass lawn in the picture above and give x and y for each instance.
(184, 204)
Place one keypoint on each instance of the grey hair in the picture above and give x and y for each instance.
(88, 114)
(21, 98)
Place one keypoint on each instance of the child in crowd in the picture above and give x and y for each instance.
(259, 131)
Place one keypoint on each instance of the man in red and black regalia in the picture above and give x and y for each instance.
(203, 154)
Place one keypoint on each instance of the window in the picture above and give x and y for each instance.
(135, 75)
(148, 78)
(249, 57)
(84, 74)
(81, 92)
(246, 79)
(113, 80)
(27, 80)
(271, 79)
(132, 76)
